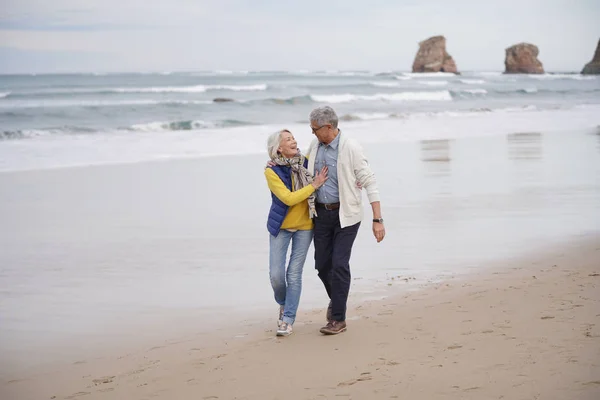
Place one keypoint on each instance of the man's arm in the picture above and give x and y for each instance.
(366, 178)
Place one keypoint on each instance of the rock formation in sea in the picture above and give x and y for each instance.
(222, 100)
(593, 67)
(522, 59)
(433, 57)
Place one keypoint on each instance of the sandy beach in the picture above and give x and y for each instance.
(130, 282)
(524, 328)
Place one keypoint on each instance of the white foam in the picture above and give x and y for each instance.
(442, 95)
(490, 73)
(429, 74)
(434, 83)
(238, 88)
(387, 84)
(168, 126)
(530, 90)
(472, 81)
(403, 77)
(164, 89)
(99, 103)
(4, 94)
(372, 116)
(562, 76)
(475, 91)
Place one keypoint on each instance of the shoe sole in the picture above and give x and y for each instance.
(326, 332)
(281, 334)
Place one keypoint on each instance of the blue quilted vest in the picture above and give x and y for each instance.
(278, 209)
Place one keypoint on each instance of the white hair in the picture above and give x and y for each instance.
(323, 116)
(273, 143)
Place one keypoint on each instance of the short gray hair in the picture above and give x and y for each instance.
(324, 115)
(273, 143)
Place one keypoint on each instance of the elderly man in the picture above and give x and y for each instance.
(339, 209)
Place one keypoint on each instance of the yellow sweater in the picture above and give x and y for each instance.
(297, 216)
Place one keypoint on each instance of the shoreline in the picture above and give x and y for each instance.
(507, 330)
(105, 149)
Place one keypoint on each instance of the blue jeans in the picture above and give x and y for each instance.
(287, 282)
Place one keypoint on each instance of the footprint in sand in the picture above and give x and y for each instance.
(454, 347)
(78, 394)
(365, 376)
(103, 380)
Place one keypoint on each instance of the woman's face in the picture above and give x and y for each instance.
(288, 146)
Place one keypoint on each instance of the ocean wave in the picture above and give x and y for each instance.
(162, 126)
(157, 89)
(387, 84)
(367, 116)
(103, 103)
(443, 95)
(4, 94)
(433, 83)
(238, 88)
(472, 81)
(489, 73)
(577, 77)
(528, 90)
(186, 125)
(429, 74)
(164, 89)
(32, 133)
(471, 91)
(191, 89)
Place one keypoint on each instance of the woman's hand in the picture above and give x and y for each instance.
(320, 178)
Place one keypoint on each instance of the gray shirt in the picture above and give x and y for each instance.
(327, 155)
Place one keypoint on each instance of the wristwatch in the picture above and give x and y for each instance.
(380, 220)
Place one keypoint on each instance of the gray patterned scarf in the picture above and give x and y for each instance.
(301, 176)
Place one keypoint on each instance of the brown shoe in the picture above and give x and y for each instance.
(333, 328)
(329, 312)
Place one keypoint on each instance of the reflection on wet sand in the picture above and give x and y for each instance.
(525, 146)
(435, 154)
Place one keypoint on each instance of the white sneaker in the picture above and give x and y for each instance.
(285, 329)
(280, 319)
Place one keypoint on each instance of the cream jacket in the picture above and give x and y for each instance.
(352, 166)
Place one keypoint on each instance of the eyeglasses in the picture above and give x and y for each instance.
(315, 130)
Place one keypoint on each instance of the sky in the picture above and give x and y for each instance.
(39, 36)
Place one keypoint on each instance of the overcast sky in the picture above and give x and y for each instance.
(172, 35)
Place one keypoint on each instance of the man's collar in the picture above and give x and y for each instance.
(335, 142)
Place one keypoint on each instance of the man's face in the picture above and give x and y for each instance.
(322, 132)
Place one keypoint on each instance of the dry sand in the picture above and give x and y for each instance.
(521, 329)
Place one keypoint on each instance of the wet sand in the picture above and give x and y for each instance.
(523, 329)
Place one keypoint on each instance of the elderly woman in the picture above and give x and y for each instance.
(290, 220)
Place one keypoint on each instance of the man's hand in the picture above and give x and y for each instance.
(378, 231)
(378, 228)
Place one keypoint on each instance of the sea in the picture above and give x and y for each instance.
(131, 117)
(133, 206)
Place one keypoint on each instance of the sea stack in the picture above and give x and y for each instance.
(433, 57)
(522, 59)
(593, 67)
